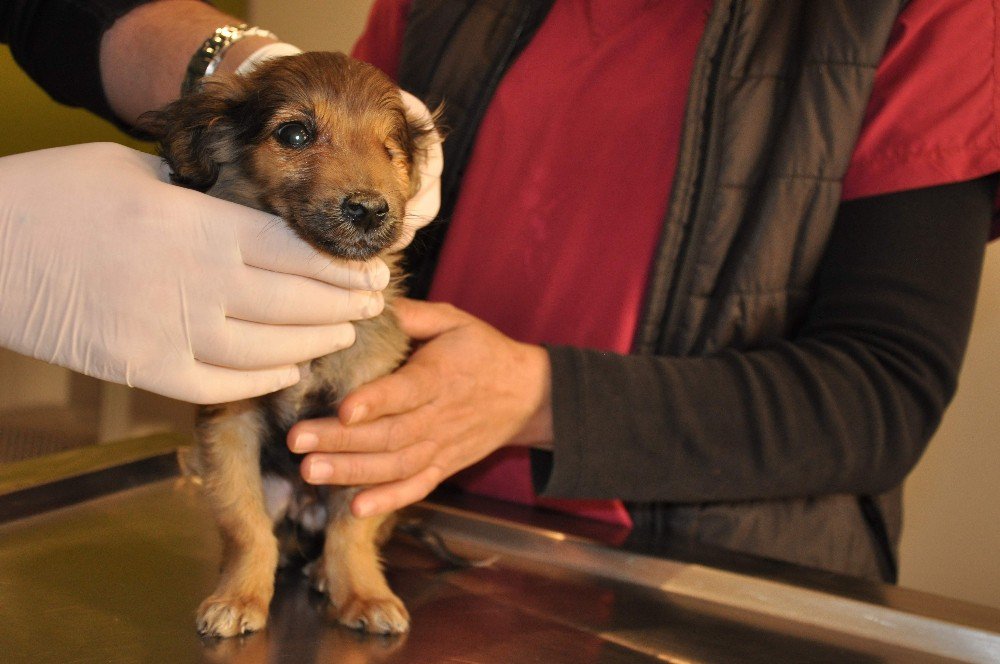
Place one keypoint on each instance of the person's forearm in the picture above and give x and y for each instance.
(144, 55)
(845, 406)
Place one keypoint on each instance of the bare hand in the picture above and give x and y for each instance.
(467, 391)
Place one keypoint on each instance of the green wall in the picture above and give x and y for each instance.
(30, 120)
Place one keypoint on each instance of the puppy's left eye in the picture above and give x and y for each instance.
(293, 134)
(394, 152)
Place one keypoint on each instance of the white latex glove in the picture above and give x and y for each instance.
(109, 270)
(424, 206)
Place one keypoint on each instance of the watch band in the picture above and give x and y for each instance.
(208, 56)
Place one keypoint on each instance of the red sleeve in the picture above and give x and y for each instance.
(933, 115)
(381, 43)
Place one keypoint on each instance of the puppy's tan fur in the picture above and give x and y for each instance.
(231, 139)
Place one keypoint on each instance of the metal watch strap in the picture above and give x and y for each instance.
(209, 54)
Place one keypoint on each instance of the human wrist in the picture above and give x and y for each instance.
(145, 54)
(225, 50)
(537, 430)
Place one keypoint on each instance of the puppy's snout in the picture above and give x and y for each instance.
(367, 211)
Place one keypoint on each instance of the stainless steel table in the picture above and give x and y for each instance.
(105, 553)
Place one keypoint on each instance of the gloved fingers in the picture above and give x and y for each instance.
(423, 207)
(127, 158)
(284, 299)
(426, 202)
(420, 211)
(418, 113)
(265, 241)
(210, 384)
(162, 171)
(406, 237)
(240, 344)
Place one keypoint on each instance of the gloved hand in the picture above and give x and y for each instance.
(107, 269)
(424, 206)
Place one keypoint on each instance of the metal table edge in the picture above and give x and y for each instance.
(901, 617)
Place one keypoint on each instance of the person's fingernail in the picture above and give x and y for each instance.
(319, 471)
(380, 276)
(305, 442)
(363, 508)
(358, 414)
(374, 305)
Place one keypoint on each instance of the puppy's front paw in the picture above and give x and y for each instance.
(375, 615)
(229, 616)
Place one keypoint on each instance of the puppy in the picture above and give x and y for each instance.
(324, 142)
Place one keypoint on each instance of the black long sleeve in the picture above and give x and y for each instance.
(57, 42)
(847, 405)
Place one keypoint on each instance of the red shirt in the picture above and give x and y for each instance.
(565, 192)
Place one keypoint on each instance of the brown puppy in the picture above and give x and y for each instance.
(324, 142)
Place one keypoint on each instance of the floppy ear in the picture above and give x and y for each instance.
(195, 134)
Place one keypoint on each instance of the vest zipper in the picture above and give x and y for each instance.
(422, 271)
(502, 64)
(662, 314)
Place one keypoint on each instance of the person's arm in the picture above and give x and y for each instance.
(145, 53)
(117, 58)
(108, 269)
(96, 246)
(845, 405)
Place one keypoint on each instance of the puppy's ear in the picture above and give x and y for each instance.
(196, 134)
(423, 131)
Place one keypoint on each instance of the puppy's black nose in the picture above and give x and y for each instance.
(365, 210)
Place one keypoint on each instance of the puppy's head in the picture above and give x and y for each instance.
(319, 139)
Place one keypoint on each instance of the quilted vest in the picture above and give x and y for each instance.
(777, 97)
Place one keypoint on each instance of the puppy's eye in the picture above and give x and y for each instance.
(293, 134)
(394, 152)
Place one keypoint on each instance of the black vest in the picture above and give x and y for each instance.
(776, 101)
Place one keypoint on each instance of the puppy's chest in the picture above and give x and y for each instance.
(378, 349)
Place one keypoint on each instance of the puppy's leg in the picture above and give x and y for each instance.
(229, 443)
(350, 571)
